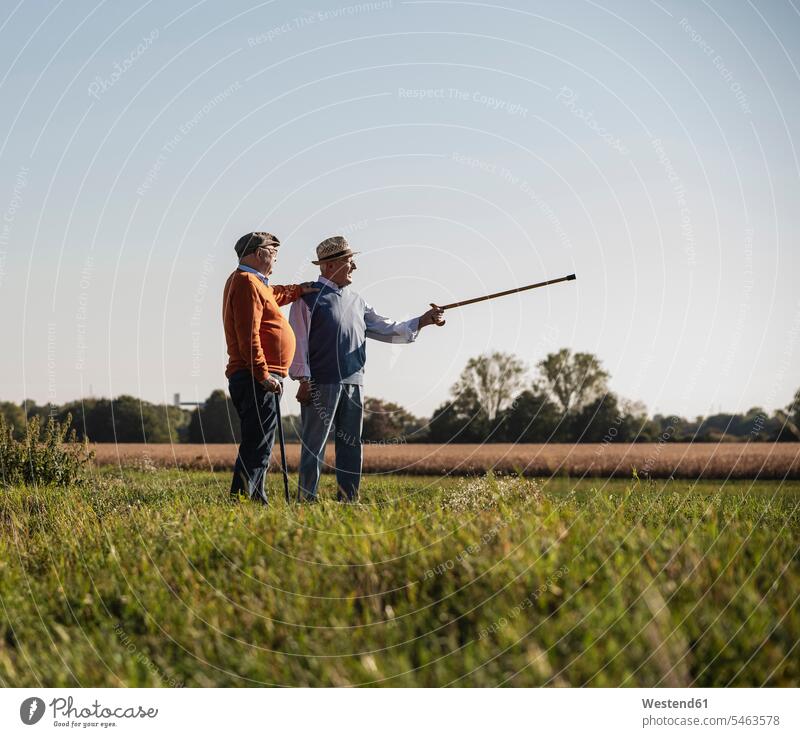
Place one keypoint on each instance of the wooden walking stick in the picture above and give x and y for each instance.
(569, 277)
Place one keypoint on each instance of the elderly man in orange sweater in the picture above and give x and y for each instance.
(260, 348)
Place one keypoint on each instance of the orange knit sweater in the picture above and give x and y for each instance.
(259, 337)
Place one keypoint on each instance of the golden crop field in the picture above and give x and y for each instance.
(678, 460)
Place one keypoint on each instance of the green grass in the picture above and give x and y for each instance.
(158, 579)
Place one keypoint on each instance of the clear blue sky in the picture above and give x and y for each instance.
(464, 147)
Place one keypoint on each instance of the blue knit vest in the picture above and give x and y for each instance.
(337, 337)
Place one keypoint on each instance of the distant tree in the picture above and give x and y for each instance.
(136, 421)
(30, 407)
(216, 421)
(177, 420)
(387, 421)
(754, 425)
(572, 380)
(43, 411)
(91, 419)
(638, 426)
(460, 420)
(601, 420)
(726, 426)
(669, 428)
(125, 419)
(492, 380)
(443, 425)
(15, 418)
(532, 418)
(292, 428)
(793, 411)
(608, 419)
(782, 429)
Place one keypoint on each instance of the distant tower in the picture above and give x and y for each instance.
(176, 402)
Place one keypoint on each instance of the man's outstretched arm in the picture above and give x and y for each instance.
(388, 331)
(284, 295)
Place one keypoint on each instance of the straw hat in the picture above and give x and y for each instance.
(333, 248)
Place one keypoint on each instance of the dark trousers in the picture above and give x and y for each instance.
(258, 413)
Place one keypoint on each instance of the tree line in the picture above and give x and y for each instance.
(496, 399)
(568, 400)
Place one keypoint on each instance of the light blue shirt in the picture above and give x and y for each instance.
(263, 278)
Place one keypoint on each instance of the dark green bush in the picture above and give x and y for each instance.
(49, 455)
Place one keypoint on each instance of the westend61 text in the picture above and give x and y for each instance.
(673, 704)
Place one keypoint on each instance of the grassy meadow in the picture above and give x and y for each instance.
(158, 579)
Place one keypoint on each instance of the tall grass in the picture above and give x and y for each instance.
(157, 579)
(45, 455)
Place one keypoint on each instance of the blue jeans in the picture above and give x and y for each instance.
(339, 406)
(258, 414)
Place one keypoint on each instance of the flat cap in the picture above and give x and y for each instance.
(250, 242)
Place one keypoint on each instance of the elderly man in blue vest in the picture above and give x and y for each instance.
(331, 328)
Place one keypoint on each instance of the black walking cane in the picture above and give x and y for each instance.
(283, 446)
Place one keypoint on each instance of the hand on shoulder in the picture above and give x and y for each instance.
(308, 287)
